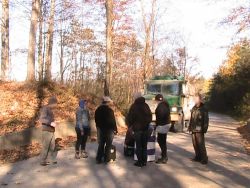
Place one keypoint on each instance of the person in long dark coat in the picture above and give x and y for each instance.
(198, 126)
(139, 118)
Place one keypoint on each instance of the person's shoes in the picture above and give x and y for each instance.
(84, 154)
(59, 148)
(138, 164)
(77, 156)
(44, 163)
(54, 163)
(107, 161)
(161, 161)
(195, 159)
(204, 162)
(98, 162)
(144, 164)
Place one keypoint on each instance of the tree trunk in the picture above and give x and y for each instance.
(5, 40)
(40, 43)
(109, 45)
(49, 45)
(32, 41)
(61, 55)
(146, 60)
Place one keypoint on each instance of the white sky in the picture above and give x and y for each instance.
(196, 20)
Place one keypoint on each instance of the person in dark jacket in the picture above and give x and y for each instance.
(82, 129)
(106, 128)
(198, 126)
(163, 124)
(139, 118)
(48, 132)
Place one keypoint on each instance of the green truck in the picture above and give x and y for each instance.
(172, 88)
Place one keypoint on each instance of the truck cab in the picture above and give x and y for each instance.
(172, 89)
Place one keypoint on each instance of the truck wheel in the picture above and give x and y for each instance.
(172, 128)
(180, 124)
(186, 123)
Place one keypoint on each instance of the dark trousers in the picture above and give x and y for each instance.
(105, 140)
(81, 139)
(162, 141)
(199, 146)
(141, 140)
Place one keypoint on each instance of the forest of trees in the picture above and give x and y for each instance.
(99, 46)
(230, 88)
(97, 43)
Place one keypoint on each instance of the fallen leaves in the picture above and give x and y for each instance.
(32, 150)
(245, 132)
(20, 106)
(22, 153)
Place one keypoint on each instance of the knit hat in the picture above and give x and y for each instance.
(159, 97)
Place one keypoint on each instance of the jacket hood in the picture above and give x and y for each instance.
(82, 103)
(140, 100)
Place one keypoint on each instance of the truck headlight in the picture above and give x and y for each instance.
(174, 109)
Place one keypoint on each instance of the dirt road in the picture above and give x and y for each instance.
(229, 166)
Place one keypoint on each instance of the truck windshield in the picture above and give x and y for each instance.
(170, 89)
(153, 88)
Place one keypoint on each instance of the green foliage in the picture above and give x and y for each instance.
(230, 87)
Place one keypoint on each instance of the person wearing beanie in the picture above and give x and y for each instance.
(106, 128)
(48, 132)
(198, 125)
(82, 129)
(162, 114)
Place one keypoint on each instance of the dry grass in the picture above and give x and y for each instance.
(245, 132)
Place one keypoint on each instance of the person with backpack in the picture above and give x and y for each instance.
(139, 118)
(82, 129)
(163, 123)
(47, 119)
(106, 128)
(198, 126)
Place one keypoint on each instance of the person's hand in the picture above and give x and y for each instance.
(53, 124)
(82, 133)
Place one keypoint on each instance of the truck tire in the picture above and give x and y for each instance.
(178, 126)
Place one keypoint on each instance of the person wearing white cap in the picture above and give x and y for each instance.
(106, 127)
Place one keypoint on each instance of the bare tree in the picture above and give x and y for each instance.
(109, 49)
(148, 27)
(40, 42)
(49, 44)
(32, 40)
(5, 40)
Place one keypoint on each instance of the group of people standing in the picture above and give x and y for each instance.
(138, 120)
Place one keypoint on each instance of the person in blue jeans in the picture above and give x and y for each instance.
(82, 129)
